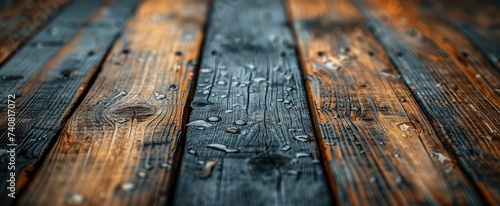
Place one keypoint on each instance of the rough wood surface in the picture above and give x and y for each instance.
(458, 91)
(119, 146)
(478, 19)
(47, 86)
(19, 20)
(374, 135)
(250, 138)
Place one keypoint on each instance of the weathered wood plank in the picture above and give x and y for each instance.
(250, 139)
(479, 20)
(458, 93)
(19, 20)
(375, 137)
(48, 86)
(118, 147)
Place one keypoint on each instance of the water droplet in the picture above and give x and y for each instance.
(402, 100)
(280, 100)
(232, 130)
(75, 198)
(205, 70)
(381, 143)
(206, 92)
(286, 147)
(302, 154)
(287, 101)
(122, 93)
(214, 119)
(142, 174)
(222, 83)
(191, 151)
(302, 138)
(411, 31)
(259, 80)
(240, 122)
(54, 31)
(39, 45)
(159, 96)
(222, 148)
(127, 186)
(164, 165)
(441, 158)
(121, 120)
(199, 123)
(404, 127)
(397, 155)
(228, 111)
(251, 66)
(223, 96)
(206, 171)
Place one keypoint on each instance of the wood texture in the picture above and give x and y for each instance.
(479, 20)
(19, 20)
(48, 79)
(459, 93)
(250, 138)
(374, 135)
(118, 148)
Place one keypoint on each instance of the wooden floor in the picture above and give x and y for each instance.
(250, 102)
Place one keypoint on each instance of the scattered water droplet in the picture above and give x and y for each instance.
(222, 83)
(222, 148)
(404, 127)
(206, 171)
(164, 165)
(191, 151)
(223, 96)
(142, 174)
(75, 198)
(54, 31)
(302, 154)
(159, 96)
(121, 120)
(373, 179)
(302, 138)
(259, 80)
(228, 111)
(240, 122)
(397, 155)
(214, 119)
(205, 70)
(381, 143)
(199, 123)
(286, 147)
(127, 186)
(441, 158)
(232, 130)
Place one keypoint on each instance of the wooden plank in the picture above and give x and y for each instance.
(479, 20)
(459, 94)
(118, 147)
(374, 135)
(250, 138)
(21, 19)
(47, 88)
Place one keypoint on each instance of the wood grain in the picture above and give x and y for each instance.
(49, 80)
(458, 93)
(118, 148)
(478, 20)
(250, 138)
(21, 19)
(374, 135)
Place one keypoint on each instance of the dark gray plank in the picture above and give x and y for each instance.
(262, 150)
(48, 76)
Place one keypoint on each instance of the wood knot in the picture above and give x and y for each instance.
(140, 111)
(268, 166)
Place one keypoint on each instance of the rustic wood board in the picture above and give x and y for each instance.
(479, 20)
(374, 135)
(250, 138)
(48, 86)
(118, 148)
(459, 93)
(19, 20)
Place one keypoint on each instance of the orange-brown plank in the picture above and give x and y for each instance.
(458, 91)
(118, 148)
(375, 137)
(47, 81)
(19, 20)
